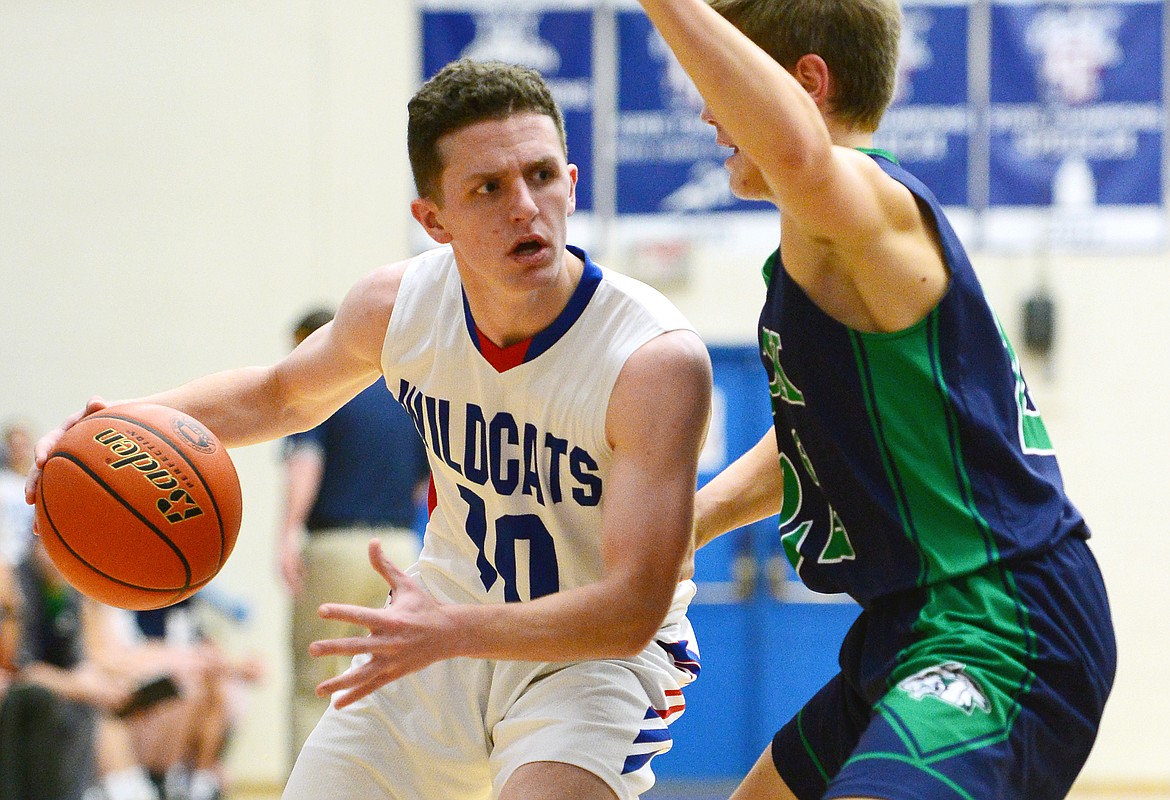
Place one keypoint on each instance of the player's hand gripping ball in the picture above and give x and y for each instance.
(139, 505)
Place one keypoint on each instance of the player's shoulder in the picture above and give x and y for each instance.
(625, 293)
(627, 285)
(364, 314)
(901, 193)
(673, 351)
(378, 290)
(668, 377)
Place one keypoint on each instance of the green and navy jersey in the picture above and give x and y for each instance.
(912, 457)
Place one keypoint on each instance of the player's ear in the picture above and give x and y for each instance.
(427, 213)
(573, 173)
(812, 73)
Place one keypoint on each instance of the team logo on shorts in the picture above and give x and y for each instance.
(949, 683)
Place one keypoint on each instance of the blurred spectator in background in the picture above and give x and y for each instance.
(183, 744)
(360, 474)
(44, 755)
(68, 703)
(16, 516)
(47, 740)
(137, 719)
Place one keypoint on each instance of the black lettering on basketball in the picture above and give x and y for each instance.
(177, 506)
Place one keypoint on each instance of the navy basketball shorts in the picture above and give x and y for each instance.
(989, 686)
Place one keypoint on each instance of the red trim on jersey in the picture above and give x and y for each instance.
(432, 497)
(677, 704)
(502, 358)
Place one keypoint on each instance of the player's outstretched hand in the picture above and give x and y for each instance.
(410, 632)
(47, 442)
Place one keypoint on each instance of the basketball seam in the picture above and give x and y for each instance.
(179, 451)
(112, 493)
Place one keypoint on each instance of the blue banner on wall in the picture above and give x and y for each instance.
(556, 42)
(1036, 122)
(930, 124)
(1077, 107)
(667, 159)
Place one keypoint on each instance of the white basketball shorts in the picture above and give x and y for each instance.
(458, 729)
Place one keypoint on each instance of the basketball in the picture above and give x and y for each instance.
(139, 506)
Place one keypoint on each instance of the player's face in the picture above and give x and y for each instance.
(747, 182)
(507, 193)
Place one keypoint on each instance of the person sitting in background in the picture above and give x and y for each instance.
(172, 641)
(360, 474)
(43, 753)
(82, 652)
(62, 704)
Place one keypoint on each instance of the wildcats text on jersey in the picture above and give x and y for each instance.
(498, 450)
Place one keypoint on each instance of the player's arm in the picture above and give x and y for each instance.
(255, 404)
(748, 490)
(865, 223)
(89, 681)
(770, 114)
(656, 421)
(334, 363)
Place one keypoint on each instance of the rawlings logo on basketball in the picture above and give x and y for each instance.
(949, 683)
(178, 505)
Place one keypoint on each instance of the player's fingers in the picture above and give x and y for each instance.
(384, 566)
(356, 682)
(344, 696)
(337, 683)
(46, 443)
(359, 615)
(30, 490)
(357, 675)
(349, 646)
(357, 693)
(95, 403)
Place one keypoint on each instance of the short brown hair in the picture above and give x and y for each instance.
(465, 92)
(858, 39)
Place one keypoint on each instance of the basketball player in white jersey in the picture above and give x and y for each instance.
(540, 646)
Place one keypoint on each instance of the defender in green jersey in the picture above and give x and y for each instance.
(907, 463)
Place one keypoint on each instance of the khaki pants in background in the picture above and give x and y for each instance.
(337, 570)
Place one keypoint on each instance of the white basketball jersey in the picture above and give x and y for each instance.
(519, 458)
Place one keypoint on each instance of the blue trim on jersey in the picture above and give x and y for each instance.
(541, 342)
(590, 280)
(656, 735)
(684, 658)
(472, 331)
(636, 762)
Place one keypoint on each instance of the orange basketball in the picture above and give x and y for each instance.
(139, 506)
